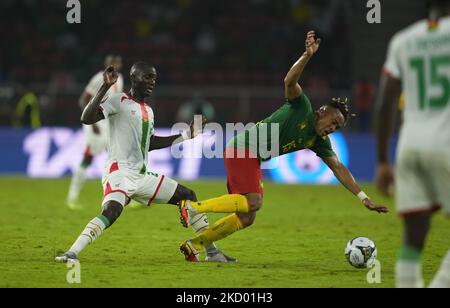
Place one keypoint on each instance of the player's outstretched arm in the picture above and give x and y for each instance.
(157, 142)
(346, 178)
(292, 89)
(91, 113)
(388, 95)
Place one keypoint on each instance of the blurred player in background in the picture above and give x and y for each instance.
(299, 128)
(418, 62)
(126, 176)
(95, 135)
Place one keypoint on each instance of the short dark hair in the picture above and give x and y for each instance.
(142, 65)
(343, 106)
(109, 58)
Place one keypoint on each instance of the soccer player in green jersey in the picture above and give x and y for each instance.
(299, 127)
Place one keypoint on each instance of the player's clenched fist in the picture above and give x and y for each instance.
(110, 76)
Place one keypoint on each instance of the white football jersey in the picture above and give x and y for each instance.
(131, 124)
(419, 55)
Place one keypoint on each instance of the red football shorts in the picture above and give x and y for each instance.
(243, 174)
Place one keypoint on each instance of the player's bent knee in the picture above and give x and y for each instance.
(182, 193)
(247, 219)
(254, 202)
(191, 195)
(112, 210)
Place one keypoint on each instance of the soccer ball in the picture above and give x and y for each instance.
(361, 252)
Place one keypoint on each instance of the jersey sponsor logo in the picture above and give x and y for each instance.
(290, 146)
(303, 125)
(310, 143)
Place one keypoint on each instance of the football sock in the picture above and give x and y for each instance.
(200, 223)
(78, 179)
(221, 229)
(233, 203)
(211, 249)
(408, 270)
(442, 278)
(92, 231)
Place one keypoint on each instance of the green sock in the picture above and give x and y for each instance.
(409, 253)
(104, 220)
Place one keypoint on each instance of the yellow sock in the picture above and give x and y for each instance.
(225, 204)
(221, 229)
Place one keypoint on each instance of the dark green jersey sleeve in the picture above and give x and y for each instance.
(301, 101)
(323, 148)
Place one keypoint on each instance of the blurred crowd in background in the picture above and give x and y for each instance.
(224, 58)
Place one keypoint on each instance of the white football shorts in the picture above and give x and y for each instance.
(422, 181)
(121, 184)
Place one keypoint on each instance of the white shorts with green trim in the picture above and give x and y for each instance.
(422, 181)
(122, 185)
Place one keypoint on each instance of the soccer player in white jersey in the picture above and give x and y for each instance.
(126, 176)
(95, 135)
(418, 62)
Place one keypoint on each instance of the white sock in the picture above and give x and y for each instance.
(408, 274)
(78, 179)
(200, 223)
(92, 231)
(442, 278)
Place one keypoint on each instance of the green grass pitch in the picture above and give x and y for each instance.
(297, 240)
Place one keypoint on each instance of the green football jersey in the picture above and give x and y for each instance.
(296, 131)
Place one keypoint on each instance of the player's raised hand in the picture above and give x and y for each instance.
(384, 179)
(197, 126)
(375, 207)
(110, 76)
(311, 44)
